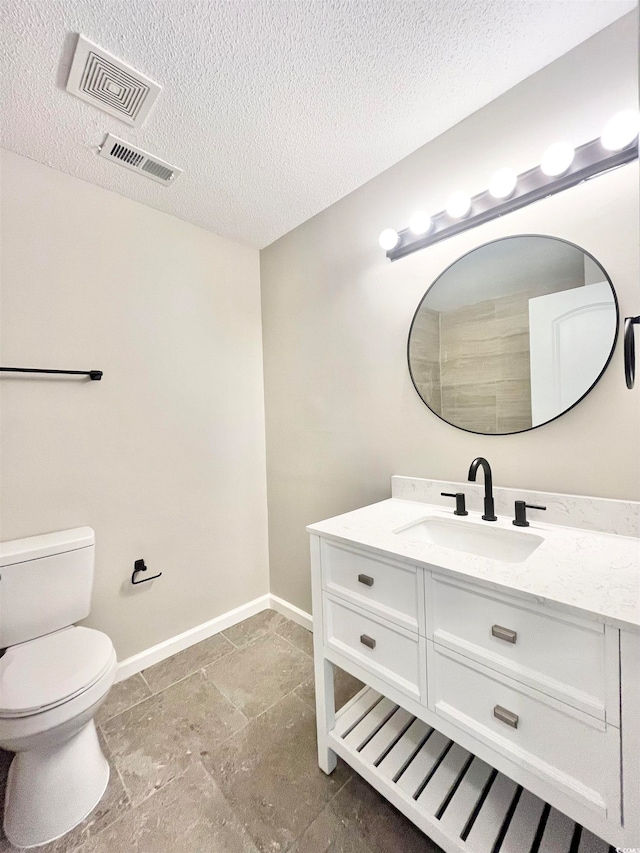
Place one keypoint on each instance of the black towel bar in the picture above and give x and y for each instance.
(93, 374)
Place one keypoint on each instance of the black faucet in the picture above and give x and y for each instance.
(489, 514)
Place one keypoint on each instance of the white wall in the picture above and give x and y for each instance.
(342, 414)
(164, 457)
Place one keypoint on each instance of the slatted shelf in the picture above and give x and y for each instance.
(467, 806)
(557, 833)
(424, 763)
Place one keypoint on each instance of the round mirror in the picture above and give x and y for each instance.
(513, 334)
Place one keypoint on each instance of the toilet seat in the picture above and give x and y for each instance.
(41, 674)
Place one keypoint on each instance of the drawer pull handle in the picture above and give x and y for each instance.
(366, 580)
(505, 716)
(367, 641)
(504, 633)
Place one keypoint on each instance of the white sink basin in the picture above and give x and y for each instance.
(509, 546)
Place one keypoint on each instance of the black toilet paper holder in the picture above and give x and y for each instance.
(139, 566)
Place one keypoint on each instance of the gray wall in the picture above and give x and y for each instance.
(341, 413)
(164, 457)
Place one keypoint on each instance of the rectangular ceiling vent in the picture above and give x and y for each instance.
(111, 85)
(138, 160)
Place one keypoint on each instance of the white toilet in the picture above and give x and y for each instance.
(53, 678)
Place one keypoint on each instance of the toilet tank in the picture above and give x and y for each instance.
(45, 583)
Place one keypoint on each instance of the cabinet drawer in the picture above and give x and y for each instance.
(392, 590)
(393, 653)
(566, 748)
(523, 641)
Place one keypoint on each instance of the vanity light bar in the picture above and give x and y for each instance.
(590, 159)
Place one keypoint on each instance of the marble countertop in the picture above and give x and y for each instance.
(588, 573)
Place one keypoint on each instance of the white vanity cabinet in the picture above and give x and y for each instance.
(491, 720)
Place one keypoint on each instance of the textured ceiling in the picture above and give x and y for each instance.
(274, 108)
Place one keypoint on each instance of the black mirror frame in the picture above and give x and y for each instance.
(573, 405)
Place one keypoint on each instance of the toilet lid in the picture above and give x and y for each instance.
(47, 671)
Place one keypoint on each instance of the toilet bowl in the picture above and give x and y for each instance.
(54, 676)
(50, 690)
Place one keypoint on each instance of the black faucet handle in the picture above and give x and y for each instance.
(460, 502)
(521, 513)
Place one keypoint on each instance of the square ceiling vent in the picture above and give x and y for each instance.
(111, 85)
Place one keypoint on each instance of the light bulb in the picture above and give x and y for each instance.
(388, 239)
(557, 159)
(620, 130)
(420, 223)
(458, 205)
(503, 183)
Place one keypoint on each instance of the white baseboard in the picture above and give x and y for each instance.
(155, 654)
(136, 663)
(292, 612)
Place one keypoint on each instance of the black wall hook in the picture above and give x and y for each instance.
(630, 350)
(139, 566)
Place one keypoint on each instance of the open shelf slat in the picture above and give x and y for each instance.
(467, 805)
(354, 712)
(362, 733)
(389, 733)
(589, 843)
(558, 833)
(443, 780)
(424, 762)
(524, 824)
(399, 755)
(466, 798)
(493, 813)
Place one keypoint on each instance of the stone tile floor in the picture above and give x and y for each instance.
(214, 751)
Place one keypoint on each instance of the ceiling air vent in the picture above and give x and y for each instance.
(111, 85)
(138, 160)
